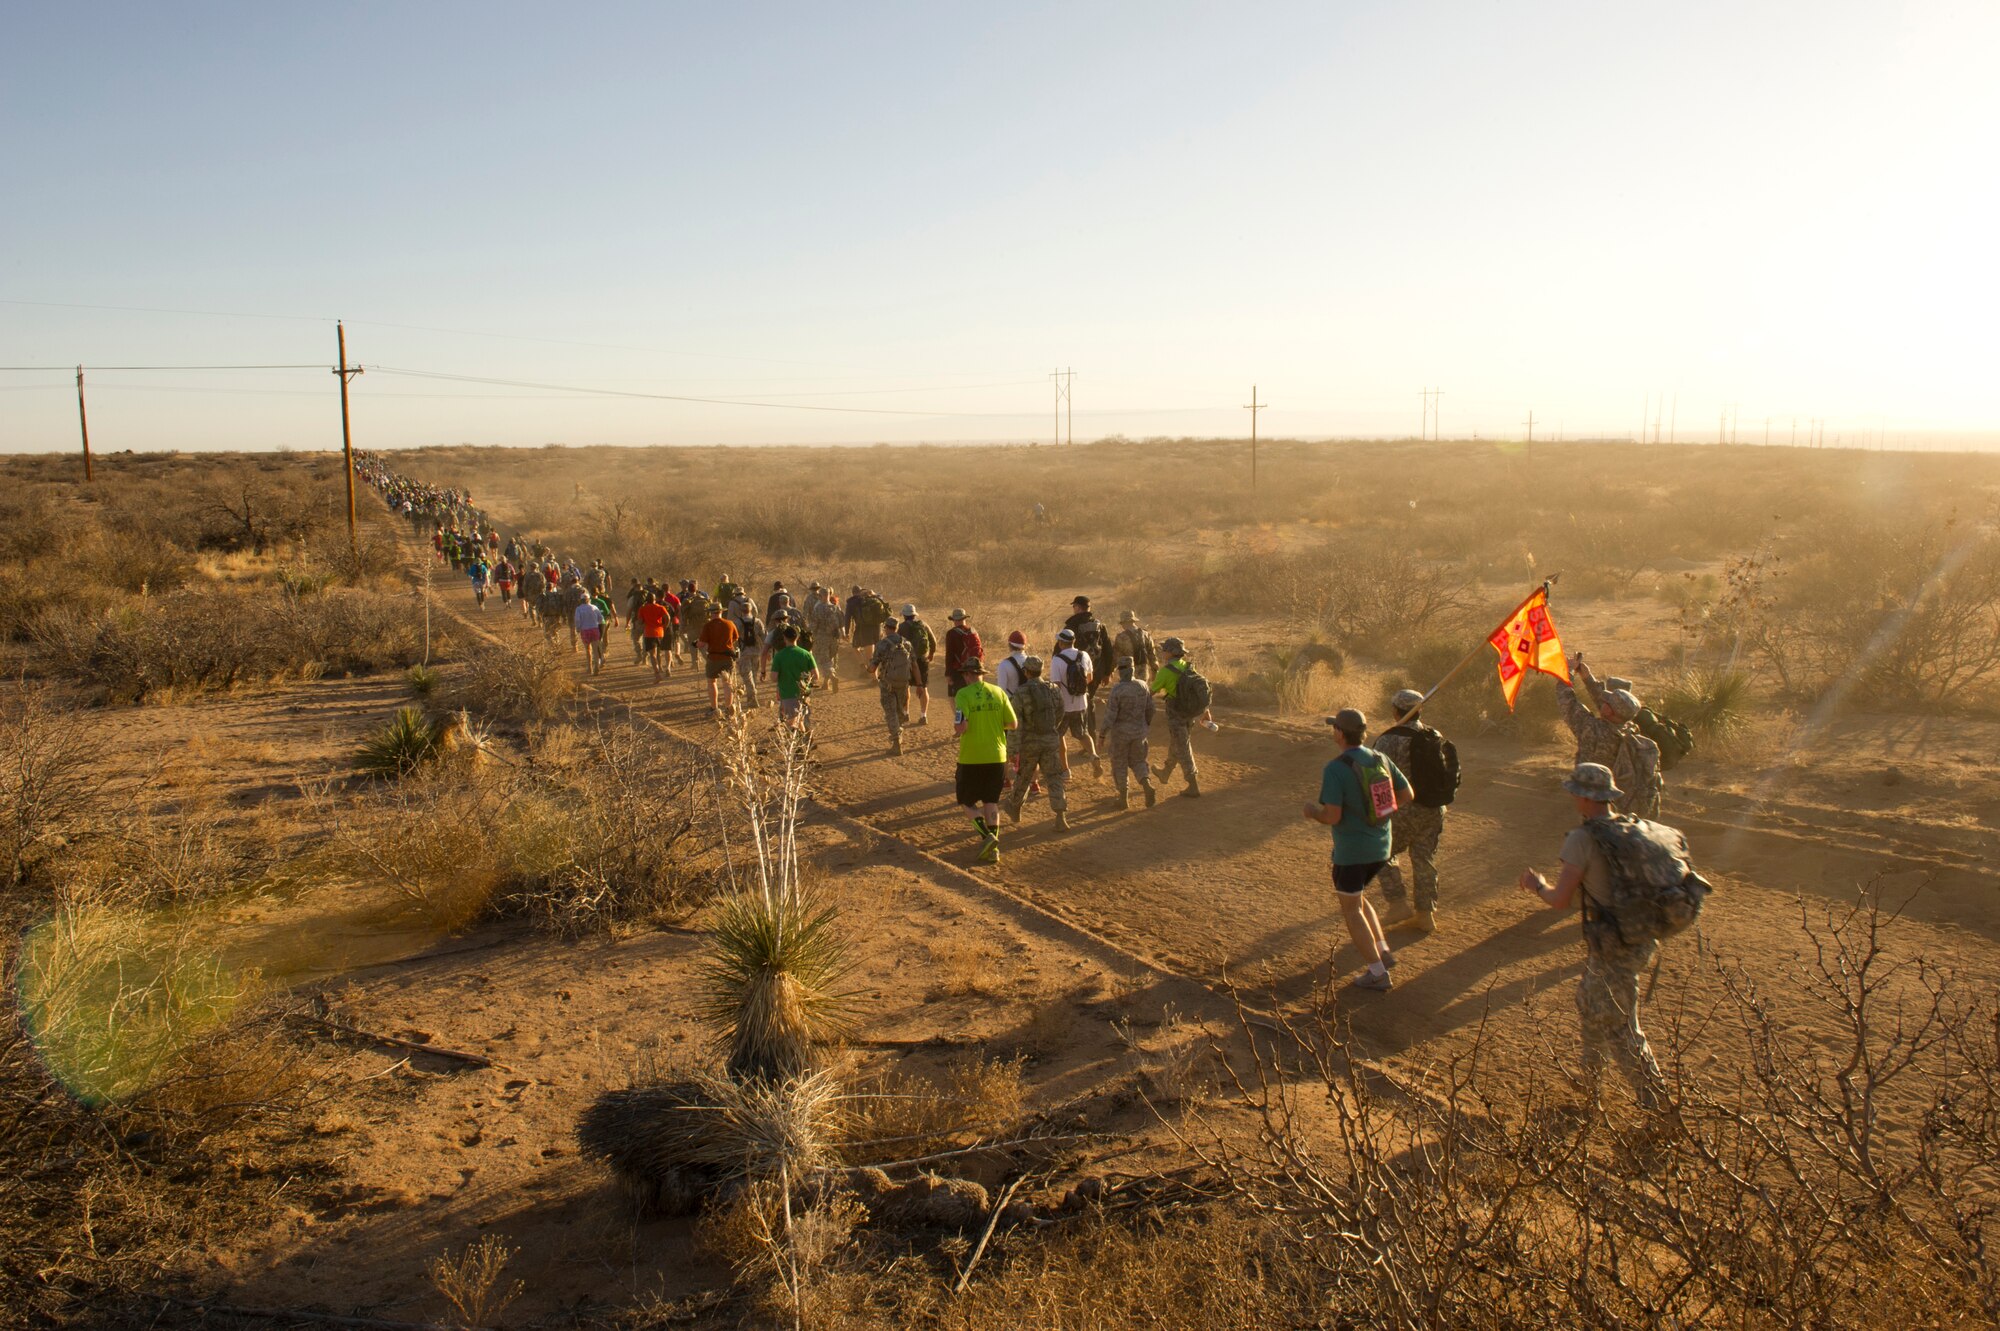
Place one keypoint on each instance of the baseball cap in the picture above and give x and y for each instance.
(1067, 635)
(1623, 703)
(1080, 600)
(1349, 720)
(1405, 699)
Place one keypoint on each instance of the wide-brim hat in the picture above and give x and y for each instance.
(956, 614)
(908, 611)
(1127, 617)
(1173, 645)
(1593, 781)
(974, 667)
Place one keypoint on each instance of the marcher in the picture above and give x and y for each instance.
(1185, 693)
(574, 594)
(780, 599)
(1010, 673)
(961, 644)
(1133, 641)
(1039, 744)
(651, 623)
(796, 673)
(752, 653)
(869, 617)
(982, 717)
(477, 571)
(827, 625)
(1359, 794)
(923, 650)
(1072, 670)
(533, 584)
(506, 574)
(1610, 738)
(719, 643)
(1636, 887)
(587, 621)
(1093, 641)
(635, 596)
(1123, 722)
(1431, 762)
(890, 665)
(554, 610)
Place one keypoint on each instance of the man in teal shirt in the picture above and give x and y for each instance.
(1359, 793)
(796, 672)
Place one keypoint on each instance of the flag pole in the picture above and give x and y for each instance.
(1486, 641)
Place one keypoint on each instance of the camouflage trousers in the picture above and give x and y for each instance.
(1607, 1000)
(1417, 830)
(746, 679)
(895, 708)
(828, 660)
(1040, 755)
(1127, 753)
(1180, 750)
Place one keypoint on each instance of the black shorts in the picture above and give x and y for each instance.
(1351, 880)
(718, 666)
(920, 672)
(652, 646)
(1074, 725)
(980, 783)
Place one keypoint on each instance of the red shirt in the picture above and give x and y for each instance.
(673, 605)
(652, 620)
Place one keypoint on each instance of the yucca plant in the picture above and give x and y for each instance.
(399, 748)
(423, 680)
(771, 986)
(1714, 701)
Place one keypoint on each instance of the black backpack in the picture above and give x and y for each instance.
(1433, 770)
(1674, 740)
(1191, 694)
(1075, 682)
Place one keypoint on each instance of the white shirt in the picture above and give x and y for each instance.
(1010, 681)
(1059, 667)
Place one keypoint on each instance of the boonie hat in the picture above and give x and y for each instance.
(1032, 664)
(1623, 703)
(974, 667)
(1593, 781)
(1405, 699)
(1173, 645)
(1127, 617)
(956, 614)
(909, 610)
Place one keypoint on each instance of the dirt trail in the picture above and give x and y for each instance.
(1236, 882)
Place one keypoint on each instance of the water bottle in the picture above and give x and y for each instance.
(1208, 723)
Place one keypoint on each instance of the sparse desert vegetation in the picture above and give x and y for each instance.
(371, 961)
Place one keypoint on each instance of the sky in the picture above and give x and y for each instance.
(873, 222)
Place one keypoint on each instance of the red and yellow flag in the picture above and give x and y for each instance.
(1527, 642)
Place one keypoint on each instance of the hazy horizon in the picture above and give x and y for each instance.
(886, 225)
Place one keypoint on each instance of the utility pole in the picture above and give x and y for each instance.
(1531, 425)
(1795, 432)
(1673, 418)
(1645, 414)
(1064, 406)
(1424, 430)
(83, 423)
(1253, 406)
(346, 432)
(1767, 432)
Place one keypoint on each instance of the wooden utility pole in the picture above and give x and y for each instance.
(346, 432)
(1531, 425)
(83, 422)
(1253, 406)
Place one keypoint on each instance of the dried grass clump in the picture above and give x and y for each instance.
(901, 1115)
(470, 1280)
(509, 682)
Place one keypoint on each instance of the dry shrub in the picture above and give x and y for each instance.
(510, 682)
(899, 1115)
(470, 1280)
(53, 779)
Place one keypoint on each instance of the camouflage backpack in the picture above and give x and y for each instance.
(893, 661)
(1655, 892)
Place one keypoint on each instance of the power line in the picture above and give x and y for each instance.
(670, 397)
(65, 369)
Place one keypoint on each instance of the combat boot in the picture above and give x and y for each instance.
(1424, 921)
(1152, 796)
(896, 746)
(1062, 822)
(1013, 810)
(1162, 774)
(1193, 791)
(1124, 801)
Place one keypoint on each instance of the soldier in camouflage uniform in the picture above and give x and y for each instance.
(1610, 738)
(1126, 716)
(828, 622)
(1039, 742)
(1135, 643)
(1419, 828)
(1607, 993)
(891, 666)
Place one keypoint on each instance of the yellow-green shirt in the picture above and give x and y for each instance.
(1167, 680)
(986, 714)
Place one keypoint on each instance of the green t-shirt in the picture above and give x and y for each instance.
(791, 665)
(985, 712)
(1354, 841)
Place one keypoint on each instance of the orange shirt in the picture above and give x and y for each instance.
(718, 635)
(652, 620)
